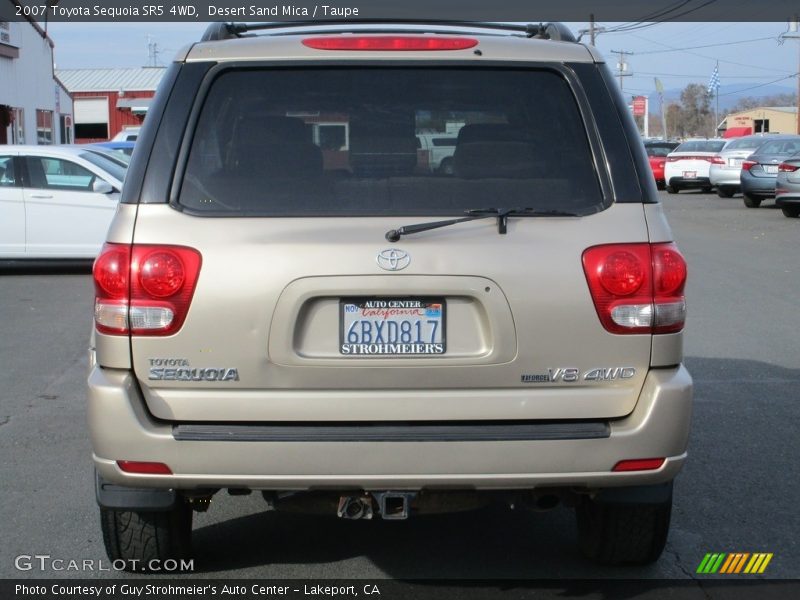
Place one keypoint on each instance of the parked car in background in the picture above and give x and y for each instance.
(760, 170)
(726, 167)
(657, 152)
(128, 134)
(689, 164)
(787, 187)
(119, 156)
(55, 201)
(436, 151)
(125, 148)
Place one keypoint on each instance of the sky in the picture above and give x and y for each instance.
(741, 61)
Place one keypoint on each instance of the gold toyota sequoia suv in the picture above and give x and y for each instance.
(296, 299)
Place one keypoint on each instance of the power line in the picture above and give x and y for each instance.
(729, 62)
(760, 86)
(643, 25)
(685, 75)
(650, 17)
(761, 39)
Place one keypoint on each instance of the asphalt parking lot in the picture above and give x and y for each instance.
(738, 492)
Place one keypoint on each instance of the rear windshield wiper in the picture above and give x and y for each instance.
(501, 214)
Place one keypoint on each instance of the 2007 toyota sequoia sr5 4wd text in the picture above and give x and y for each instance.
(292, 300)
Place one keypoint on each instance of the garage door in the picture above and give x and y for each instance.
(91, 110)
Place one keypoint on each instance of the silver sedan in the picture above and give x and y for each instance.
(787, 187)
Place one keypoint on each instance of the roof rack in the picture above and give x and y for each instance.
(227, 31)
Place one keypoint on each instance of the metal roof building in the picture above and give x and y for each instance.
(109, 100)
(103, 80)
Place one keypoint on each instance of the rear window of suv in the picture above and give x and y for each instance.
(343, 141)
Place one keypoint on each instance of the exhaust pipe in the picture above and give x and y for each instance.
(545, 502)
(354, 507)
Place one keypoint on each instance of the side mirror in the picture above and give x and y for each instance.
(101, 186)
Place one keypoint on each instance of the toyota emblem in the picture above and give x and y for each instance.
(393, 260)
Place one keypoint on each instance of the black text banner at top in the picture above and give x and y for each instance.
(526, 11)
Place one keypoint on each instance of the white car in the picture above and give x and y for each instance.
(55, 201)
(726, 168)
(689, 164)
(128, 134)
(438, 150)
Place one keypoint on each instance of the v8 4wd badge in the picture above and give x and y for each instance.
(572, 374)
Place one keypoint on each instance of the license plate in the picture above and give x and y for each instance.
(735, 162)
(690, 174)
(771, 169)
(392, 326)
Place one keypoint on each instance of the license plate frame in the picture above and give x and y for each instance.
(423, 342)
(690, 174)
(771, 169)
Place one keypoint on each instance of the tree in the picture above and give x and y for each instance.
(696, 117)
(774, 100)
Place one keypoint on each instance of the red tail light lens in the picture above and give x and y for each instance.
(389, 43)
(639, 464)
(161, 274)
(144, 289)
(144, 468)
(622, 273)
(748, 164)
(111, 274)
(787, 168)
(716, 160)
(637, 288)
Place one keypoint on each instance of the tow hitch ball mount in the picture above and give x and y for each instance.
(389, 505)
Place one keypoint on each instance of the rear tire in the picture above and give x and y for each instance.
(792, 212)
(671, 189)
(616, 534)
(725, 192)
(446, 167)
(138, 537)
(751, 201)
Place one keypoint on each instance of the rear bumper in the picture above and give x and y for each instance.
(696, 182)
(789, 200)
(759, 186)
(725, 176)
(122, 429)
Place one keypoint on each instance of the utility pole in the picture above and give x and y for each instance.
(622, 66)
(152, 52)
(593, 30)
(794, 33)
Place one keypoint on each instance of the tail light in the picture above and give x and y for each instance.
(787, 168)
(144, 468)
(144, 289)
(639, 464)
(637, 288)
(716, 160)
(748, 164)
(389, 43)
